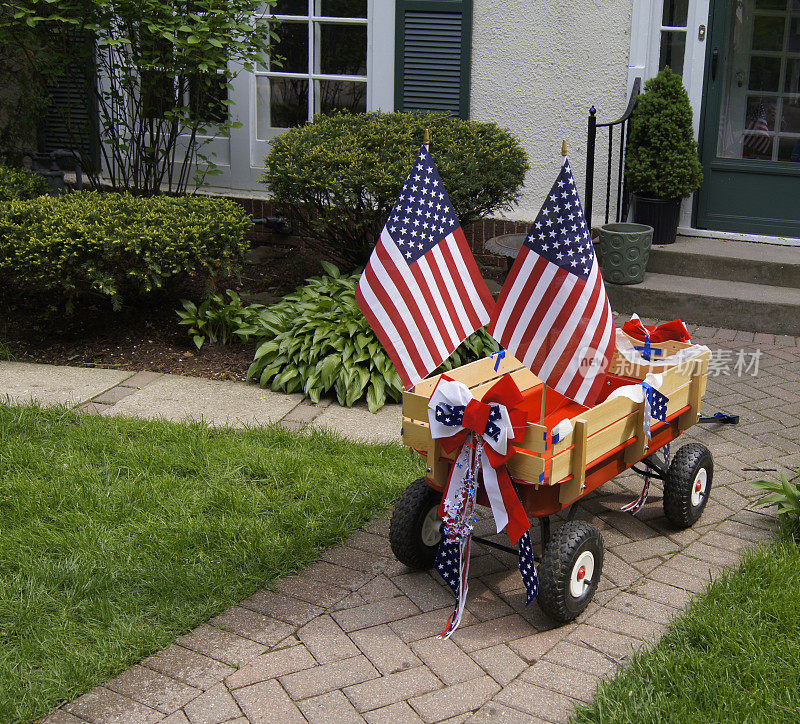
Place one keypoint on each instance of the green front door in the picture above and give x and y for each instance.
(750, 132)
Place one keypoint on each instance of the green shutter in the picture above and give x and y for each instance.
(433, 51)
(71, 119)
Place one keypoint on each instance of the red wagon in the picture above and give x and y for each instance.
(551, 473)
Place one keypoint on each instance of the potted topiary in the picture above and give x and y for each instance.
(661, 163)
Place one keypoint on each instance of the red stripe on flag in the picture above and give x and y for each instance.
(461, 289)
(518, 310)
(430, 301)
(571, 349)
(384, 339)
(474, 273)
(536, 319)
(516, 267)
(602, 329)
(396, 319)
(447, 293)
(398, 278)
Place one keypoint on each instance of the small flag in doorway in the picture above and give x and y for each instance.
(756, 135)
(421, 291)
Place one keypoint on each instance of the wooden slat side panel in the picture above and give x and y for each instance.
(474, 373)
(534, 439)
(526, 467)
(415, 434)
(523, 378)
(415, 406)
(599, 417)
(569, 491)
(596, 446)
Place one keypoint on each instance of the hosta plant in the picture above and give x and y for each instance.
(784, 494)
(317, 340)
(216, 319)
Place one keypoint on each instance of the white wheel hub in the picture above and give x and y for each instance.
(699, 487)
(431, 527)
(581, 576)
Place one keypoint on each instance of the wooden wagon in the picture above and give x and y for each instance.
(551, 474)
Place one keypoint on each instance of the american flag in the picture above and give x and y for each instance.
(421, 291)
(658, 403)
(756, 135)
(527, 568)
(553, 313)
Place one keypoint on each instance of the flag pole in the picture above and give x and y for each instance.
(426, 138)
(544, 384)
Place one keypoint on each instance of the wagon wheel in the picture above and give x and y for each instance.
(570, 570)
(687, 484)
(415, 530)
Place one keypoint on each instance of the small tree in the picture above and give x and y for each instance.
(161, 72)
(661, 159)
(338, 178)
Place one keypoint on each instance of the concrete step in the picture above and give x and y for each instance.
(738, 261)
(711, 302)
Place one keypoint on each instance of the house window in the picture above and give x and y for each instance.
(323, 51)
(672, 35)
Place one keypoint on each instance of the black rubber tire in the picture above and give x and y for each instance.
(405, 530)
(560, 556)
(679, 484)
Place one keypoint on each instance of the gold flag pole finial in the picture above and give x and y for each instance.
(563, 148)
(426, 139)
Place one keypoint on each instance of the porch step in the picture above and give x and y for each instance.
(738, 261)
(711, 302)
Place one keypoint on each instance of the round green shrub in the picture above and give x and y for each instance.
(16, 183)
(661, 159)
(338, 178)
(316, 340)
(113, 245)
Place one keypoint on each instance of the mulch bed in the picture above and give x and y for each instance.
(145, 335)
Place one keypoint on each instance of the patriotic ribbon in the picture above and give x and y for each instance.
(485, 430)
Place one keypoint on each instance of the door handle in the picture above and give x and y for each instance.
(714, 63)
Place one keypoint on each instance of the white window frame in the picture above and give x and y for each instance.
(246, 151)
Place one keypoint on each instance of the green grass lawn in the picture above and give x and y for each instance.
(734, 656)
(118, 535)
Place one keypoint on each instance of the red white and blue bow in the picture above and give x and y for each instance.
(485, 430)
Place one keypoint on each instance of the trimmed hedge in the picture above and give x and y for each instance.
(338, 177)
(115, 245)
(15, 183)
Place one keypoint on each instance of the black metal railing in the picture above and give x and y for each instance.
(623, 122)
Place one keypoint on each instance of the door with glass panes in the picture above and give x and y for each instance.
(750, 136)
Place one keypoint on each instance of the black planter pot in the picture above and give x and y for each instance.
(661, 214)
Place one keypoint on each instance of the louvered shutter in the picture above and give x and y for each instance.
(433, 52)
(71, 120)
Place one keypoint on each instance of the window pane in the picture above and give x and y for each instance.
(771, 4)
(789, 149)
(792, 83)
(790, 116)
(675, 13)
(343, 49)
(282, 103)
(673, 47)
(768, 32)
(765, 73)
(290, 54)
(344, 8)
(290, 7)
(793, 46)
(208, 94)
(340, 94)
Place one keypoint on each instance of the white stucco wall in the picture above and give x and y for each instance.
(537, 67)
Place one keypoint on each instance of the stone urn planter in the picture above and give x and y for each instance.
(622, 252)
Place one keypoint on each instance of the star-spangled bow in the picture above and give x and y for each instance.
(489, 425)
(485, 430)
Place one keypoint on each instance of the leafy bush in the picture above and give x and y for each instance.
(16, 183)
(316, 340)
(216, 320)
(784, 495)
(661, 160)
(111, 245)
(338, 178)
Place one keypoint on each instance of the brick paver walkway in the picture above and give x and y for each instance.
(353, 638)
